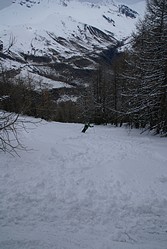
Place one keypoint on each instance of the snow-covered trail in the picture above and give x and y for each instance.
(106, 189)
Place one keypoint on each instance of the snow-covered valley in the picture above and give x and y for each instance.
(105, 189)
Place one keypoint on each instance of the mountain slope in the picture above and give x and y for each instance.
(39, 33)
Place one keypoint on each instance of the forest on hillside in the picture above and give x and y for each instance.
(134, 89)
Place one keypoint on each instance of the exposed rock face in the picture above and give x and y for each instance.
(1, 46)
(123, 9)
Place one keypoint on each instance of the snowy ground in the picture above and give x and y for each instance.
(106, 189)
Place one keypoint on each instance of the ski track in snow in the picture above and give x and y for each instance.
(105, 189)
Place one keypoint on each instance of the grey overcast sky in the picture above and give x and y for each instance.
(5, 3)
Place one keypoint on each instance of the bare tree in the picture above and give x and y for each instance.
(9, 125)
(15, 100)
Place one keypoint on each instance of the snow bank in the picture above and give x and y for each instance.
(99, 190)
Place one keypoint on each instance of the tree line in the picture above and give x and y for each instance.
(134, 89)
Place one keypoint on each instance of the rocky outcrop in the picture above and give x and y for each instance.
(125, 10)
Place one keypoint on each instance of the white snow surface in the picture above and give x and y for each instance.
(41, 82)
(105, 189)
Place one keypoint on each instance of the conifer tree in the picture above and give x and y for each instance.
(147, 74)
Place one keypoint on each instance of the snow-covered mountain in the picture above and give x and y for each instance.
(50, 33)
